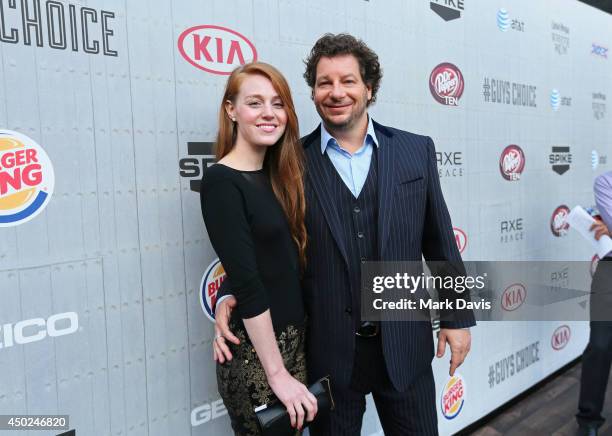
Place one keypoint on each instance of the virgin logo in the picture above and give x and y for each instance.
(513, 297)
(446, 84)
(460, 239)
(561, 337)
(512, 162)
(558, 221)
(215, 49)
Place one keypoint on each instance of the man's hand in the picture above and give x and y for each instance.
(460, 341)
(600, 229)
(223, 312)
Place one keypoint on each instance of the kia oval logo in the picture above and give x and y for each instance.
(513, 297)
(561, 337)
(216, 49)
(460, 239)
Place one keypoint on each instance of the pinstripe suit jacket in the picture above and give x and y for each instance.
(412, 221)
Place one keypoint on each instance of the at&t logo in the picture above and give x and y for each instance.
(26, 179)
(446, 84)
(505, 23)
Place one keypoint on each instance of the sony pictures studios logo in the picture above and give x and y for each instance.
(560, 37)
(447, 9)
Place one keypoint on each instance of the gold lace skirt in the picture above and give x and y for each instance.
(242, 381)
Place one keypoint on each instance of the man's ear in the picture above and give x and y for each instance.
(230, 110)
(369, 87)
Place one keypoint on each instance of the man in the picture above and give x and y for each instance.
(372, 194)
(598, 353)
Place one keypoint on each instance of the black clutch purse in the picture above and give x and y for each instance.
(274, 420)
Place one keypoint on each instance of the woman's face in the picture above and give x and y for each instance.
(258, 112)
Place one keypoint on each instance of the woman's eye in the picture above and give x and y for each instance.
(254, 103)
(279, 105)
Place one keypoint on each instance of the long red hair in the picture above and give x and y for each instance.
(284, 161)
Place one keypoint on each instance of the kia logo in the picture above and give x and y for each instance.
(560, 337)
(513, 297)
(460, 239)
(215, 49)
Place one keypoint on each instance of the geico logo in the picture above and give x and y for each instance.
(207, 412)
(37, 329)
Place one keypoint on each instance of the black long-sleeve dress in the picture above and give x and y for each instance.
(249, 231)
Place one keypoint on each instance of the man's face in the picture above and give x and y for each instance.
(340, 94)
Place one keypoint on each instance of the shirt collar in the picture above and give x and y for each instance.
(326, 137)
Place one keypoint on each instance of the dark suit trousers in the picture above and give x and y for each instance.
(401, 413)
(597, 356)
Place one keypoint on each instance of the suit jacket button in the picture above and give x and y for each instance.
(348, 310)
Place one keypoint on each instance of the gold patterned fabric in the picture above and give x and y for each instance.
(242, 381)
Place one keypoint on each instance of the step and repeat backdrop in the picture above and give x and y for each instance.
(107, 113)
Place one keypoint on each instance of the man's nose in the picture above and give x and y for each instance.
(337, 91)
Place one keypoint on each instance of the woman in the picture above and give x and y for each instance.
(253, 208)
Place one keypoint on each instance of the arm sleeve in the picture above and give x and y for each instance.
(603, 198)
(230, 234)
(440, 248)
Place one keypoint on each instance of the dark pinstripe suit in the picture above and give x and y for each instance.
(412, 221)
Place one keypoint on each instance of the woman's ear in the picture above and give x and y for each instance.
(230, 110)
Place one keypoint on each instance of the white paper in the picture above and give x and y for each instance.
(580, 220)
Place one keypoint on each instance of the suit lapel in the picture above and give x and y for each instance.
(386, 183)
(321, 181)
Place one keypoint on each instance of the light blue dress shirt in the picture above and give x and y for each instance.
(352, 168)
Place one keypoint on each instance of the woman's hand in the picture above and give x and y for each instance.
(295, 396)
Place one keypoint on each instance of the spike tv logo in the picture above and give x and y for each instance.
(193, 167)
(215, 49)
(446, 84)
(512, 163)
(560, 158)
(447, 9)
(558, 221)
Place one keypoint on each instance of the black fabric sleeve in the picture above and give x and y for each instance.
(225, 216)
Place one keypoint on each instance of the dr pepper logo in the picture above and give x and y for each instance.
(558, 221)
(560, 337)
(446, 84)
(512, 162)
(26, 179)
(215, 49)
(453, 396)
(210, 284)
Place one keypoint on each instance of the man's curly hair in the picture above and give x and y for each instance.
(330, 45)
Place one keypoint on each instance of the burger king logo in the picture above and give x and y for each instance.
(26, 179)
(446, 84)
(512, 162)
(558, 222)
(453, 396)
(460, 239)
(210, 284)
(513, 297)
(560, 337)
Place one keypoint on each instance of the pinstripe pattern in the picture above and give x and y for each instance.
(412, 221)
